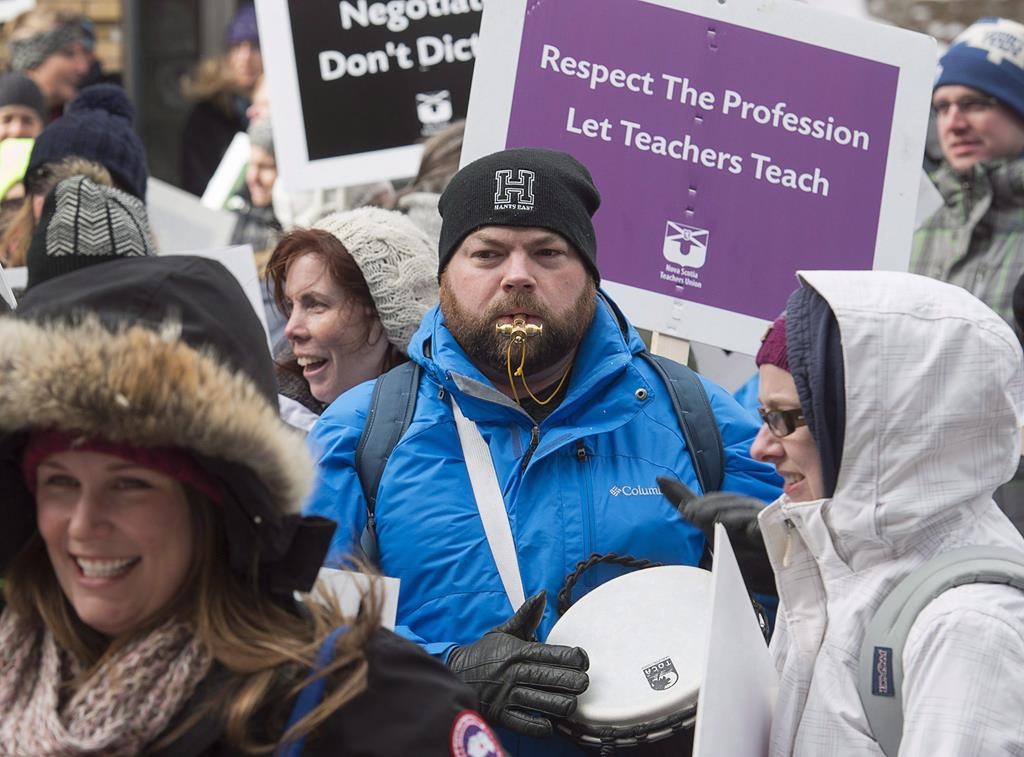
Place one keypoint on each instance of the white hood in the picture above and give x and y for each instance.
(934, 406)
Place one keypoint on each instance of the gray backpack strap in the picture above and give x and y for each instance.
(880, 667)
(696, 420)
(391, 409)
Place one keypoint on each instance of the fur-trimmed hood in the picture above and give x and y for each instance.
(159, 352)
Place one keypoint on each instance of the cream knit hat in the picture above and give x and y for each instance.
(398, 262)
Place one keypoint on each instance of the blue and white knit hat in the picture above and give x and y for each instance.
(988, 56)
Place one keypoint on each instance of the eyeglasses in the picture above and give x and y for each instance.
(782, 422)
(969, 105)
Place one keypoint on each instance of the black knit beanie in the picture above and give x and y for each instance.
(97, 126)
(524, 187)
(18, 89)
(82, 224)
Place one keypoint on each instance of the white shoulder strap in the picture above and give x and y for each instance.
(491, 505)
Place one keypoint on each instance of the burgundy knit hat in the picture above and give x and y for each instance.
(170, 461)
(773, 346)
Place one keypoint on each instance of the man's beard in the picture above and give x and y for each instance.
(489, 349)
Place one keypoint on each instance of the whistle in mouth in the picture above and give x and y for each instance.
(519, 329)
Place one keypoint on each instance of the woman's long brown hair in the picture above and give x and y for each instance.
(268, 650)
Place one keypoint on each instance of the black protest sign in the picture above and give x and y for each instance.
(381, 75)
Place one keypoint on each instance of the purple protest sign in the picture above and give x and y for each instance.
(727, 157)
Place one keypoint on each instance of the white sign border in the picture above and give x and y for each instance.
(490, 105)
(295, 170)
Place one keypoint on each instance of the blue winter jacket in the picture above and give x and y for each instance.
(580, 482)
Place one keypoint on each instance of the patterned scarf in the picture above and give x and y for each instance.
(125, 705)
(30, 52)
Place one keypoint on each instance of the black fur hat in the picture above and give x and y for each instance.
(162, 352)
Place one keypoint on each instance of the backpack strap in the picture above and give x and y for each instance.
(693, 410)
(391, 409)
(311, 695)
(696, 420)
(880, 667)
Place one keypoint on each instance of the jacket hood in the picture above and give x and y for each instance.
(934, 404)
(156, 352)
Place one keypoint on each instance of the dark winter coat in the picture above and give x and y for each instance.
(208, 132)
(410, 707)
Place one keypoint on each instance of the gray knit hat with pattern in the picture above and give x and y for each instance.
(398, 262)
(30, 52)
(84, 223)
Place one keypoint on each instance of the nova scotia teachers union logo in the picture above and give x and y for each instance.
(686, 246)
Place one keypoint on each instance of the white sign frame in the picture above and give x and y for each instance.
(740, 683)
(490, 106)
(180, 221)
(295, 170)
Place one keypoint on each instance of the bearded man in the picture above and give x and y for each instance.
(525, 355)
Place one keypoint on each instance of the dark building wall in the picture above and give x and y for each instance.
(165, 40)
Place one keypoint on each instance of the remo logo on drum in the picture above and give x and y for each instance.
(662, 674)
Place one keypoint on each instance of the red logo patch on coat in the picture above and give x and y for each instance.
(472, 737)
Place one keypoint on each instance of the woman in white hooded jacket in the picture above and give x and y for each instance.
(893, 408)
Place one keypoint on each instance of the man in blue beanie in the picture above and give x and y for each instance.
(976, 239)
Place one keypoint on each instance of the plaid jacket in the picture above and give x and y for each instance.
(976, 240)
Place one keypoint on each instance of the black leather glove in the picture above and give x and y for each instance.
(522, 684)
(739, 516)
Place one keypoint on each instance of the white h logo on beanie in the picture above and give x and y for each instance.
(521, 188)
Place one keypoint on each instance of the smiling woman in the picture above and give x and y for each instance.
(354, 288)
(118, 533)
(157, 574)
(892, 407)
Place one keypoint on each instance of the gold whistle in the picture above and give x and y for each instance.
(519, 329)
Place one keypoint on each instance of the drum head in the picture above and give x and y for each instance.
(646, 636)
